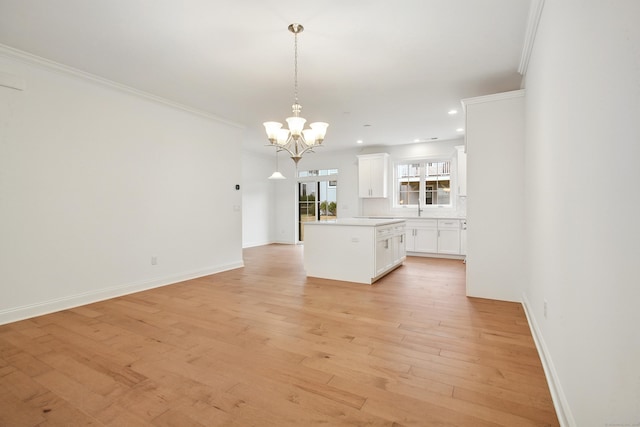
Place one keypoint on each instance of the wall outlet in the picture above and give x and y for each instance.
(154, 260)
(545, 308)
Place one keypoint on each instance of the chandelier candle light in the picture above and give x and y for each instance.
(296, 140)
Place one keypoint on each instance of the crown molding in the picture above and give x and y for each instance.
(535, 13)
(490, 98)
(49, 65)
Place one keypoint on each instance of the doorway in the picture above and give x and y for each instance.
(317, 201)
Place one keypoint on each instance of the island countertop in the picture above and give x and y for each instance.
(359, 222)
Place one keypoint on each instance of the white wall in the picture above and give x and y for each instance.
(583, 141)
(495, 200)
(96, 180)
(258, 195)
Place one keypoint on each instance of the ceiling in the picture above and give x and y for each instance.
(385, 72)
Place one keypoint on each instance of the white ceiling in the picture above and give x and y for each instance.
(397, 66)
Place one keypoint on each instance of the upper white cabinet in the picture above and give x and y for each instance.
(372, 175)
(461, 170)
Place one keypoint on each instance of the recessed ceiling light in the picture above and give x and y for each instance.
(452, 112)
(460, 130)
(417, 140)
(359, 141)
(433, 138)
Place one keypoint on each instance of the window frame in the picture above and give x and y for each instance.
(422, 179)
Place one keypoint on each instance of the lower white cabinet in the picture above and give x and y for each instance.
(399, 243)
(449, 236)
(390, 247)
(422, 235)
(434, 236)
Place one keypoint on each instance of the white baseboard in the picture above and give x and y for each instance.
(282, 242)
(565, 417)
(255, 244)
(434, 255)
(271, 242)
(15, 314)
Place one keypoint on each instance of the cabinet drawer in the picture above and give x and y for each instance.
(384, 232)
(448, 224)
(427, 223)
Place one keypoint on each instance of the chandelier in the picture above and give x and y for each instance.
(296, 140)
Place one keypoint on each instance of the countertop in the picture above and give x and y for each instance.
(360, 222)
(411, 218)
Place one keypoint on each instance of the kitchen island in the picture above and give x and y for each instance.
(354, 249)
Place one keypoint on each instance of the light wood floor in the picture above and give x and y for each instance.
(265, 346)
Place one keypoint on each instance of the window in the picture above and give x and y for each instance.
(425, 182)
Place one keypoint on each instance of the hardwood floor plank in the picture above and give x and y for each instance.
(536, 414)
(264, 345)
(300, 407)
(76, 394)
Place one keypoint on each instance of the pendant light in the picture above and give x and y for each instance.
(277, 174)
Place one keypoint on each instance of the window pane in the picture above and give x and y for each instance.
(408, 184)
(317, 172)
(328, 198)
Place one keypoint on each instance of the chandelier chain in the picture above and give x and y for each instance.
(295, 67)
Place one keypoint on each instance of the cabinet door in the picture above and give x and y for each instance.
(364, 177)
(410, 239)
(449, 236)
(372, 175)
(449, 241)
(383, 255)
(426, 239)
(378, 176)
(400, 248)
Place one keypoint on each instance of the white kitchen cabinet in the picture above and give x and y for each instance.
(384, 249)
(449, 236)
(390, 247)
(434, 236)
(399, 242)
(422, 236)
(372, 175)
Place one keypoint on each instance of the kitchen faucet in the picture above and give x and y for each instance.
(419, 210)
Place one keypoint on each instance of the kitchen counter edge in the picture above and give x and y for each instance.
(359, 222)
